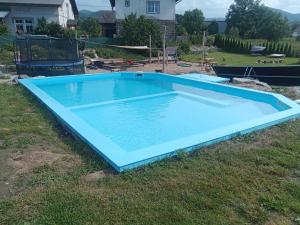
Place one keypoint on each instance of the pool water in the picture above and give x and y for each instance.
(134, 119)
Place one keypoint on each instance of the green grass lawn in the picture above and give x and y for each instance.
(6, 57)
(250, 180)
(225, 58)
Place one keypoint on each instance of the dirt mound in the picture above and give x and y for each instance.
(98, 175)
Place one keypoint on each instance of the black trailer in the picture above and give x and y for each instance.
(273, 75)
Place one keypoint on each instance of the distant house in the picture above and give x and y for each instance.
(221, 22)
(163, 11)
(108, 22)
(22, 16)
(296, 32)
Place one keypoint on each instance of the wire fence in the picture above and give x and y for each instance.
(98, 42)
(6, 40)
(90, 42)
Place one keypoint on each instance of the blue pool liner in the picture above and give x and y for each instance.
(122, 160)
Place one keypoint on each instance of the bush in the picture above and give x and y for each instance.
(196, 39)
(210, 40)
(52, 29)
(184, 48)
(8, 47)
(108, 53)
(3, 29)
(6, 57)
(234, 32)
(298, 38)
(91, 26)
(180, 30)
(137, 30)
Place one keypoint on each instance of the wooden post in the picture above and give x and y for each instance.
(164, 49)
(77, 48)
(150, 49)
(203, 45)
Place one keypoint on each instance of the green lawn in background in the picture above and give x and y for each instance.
(233, 59)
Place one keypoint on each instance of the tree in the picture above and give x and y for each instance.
(136, 31)
(271, 25)
(184, 47)
(91, 26)
(51, 29)
(179, 19)
(234, 32)
(213, 28)
(180, 30)
(3, 29)
(193, 21)
(241, 15)
(254, 20)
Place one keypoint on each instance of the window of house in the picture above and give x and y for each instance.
(24, 25)
(153, 7)
(127, 3)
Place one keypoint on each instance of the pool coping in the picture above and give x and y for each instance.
(121, 160)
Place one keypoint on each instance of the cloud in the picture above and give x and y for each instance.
(211, 8)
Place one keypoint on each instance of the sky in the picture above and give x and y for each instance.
(210, 8)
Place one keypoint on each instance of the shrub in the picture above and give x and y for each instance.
(184, 47)
(91, 26)
(3, 29)
(210, 41)
(136, 31)
(196, 39)
(180, 30)
(234, 32)
(118, 53)
(52, 29)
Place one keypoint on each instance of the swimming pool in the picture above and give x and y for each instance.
(132, 119)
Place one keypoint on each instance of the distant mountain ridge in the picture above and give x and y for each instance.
(292, 17)
(83, 14)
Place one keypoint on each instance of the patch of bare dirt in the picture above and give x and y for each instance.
(16, 164)
(171, 68)
(98, 175)
(276, 219)
(24, 163)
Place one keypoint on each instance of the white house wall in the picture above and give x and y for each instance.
(167, 9)
(23, 12)
(50, 13)
(65, 13)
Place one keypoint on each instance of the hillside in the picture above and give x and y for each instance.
(290, 16)
(83, 14)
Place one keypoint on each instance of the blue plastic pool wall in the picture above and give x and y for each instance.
(273, 99)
